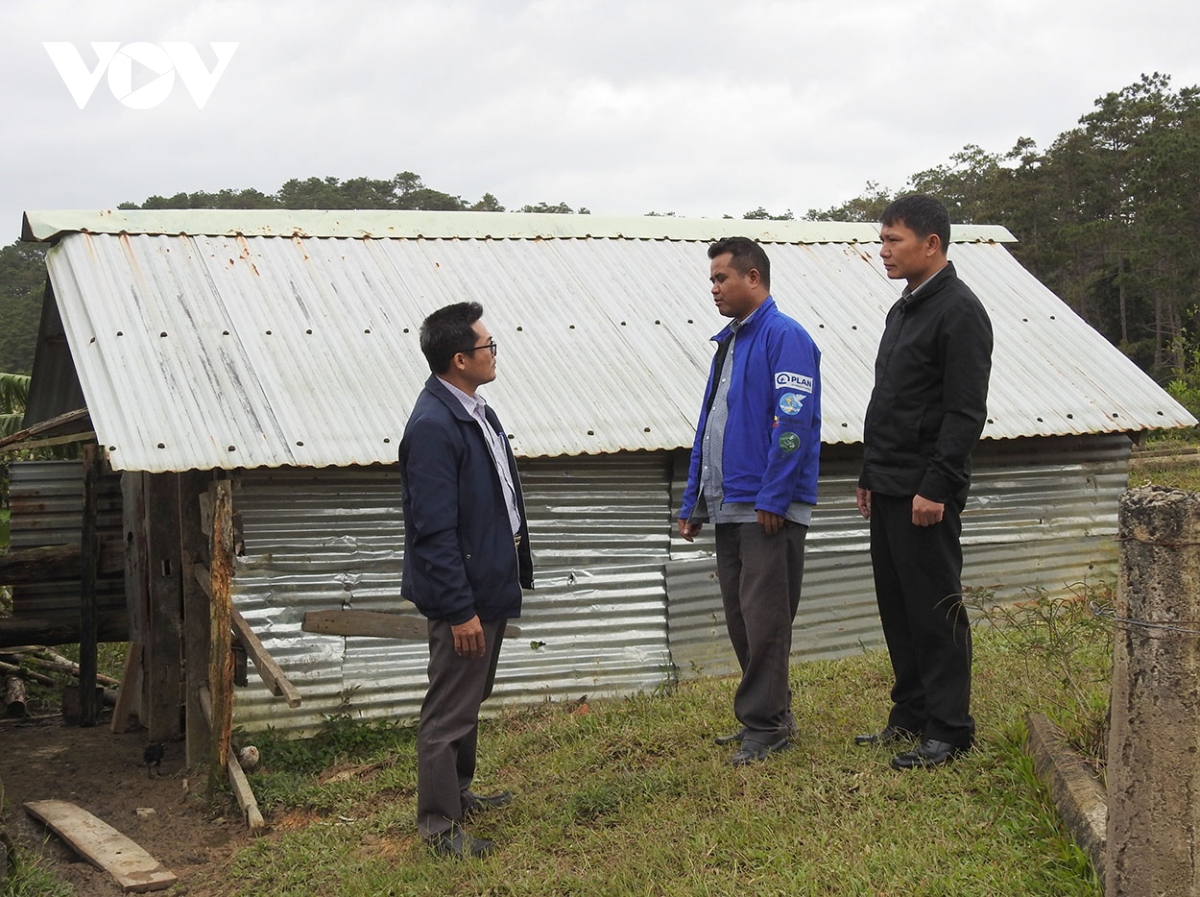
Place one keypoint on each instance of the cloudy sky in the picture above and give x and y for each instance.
(623, 106)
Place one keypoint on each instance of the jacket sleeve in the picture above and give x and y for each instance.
(966, 349)
(794, 364)
(429, 468)
(691, 493)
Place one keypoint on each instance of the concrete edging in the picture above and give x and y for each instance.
(1079, 797)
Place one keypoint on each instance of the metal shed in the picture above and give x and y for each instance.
(277, 350)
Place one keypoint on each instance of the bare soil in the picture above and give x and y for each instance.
(167, 814)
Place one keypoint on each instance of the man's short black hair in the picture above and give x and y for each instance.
(923, 215)
(448, 331)
(746, 255)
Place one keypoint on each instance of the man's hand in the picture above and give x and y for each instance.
(689, 530)
(926, 512)
(468, 638)
(771, 523)
(863, 498)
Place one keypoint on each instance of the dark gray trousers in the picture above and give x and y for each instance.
(449, 726)
(760, 579)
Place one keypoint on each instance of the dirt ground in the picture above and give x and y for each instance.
(41, 758)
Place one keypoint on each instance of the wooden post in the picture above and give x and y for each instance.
(220, 663)
(1154, 741)
(163, 670)
(133, 504)
(193, 550)
(89, 704)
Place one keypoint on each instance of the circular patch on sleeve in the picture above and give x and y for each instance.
(791, 403)
(789, 442)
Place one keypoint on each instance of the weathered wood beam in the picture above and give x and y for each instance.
(237, 778)
(52, 563)
(45, 427)
(375, 624)
(220, 658)
(111, 626)
(163, 672)
(193, 551)
(49, 441)
(89, 704)
(268, 670)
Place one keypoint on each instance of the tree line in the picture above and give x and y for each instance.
(1108, 217)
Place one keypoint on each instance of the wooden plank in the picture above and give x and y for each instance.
(193, 553)
(111, 626)
(128, 692)
(89, 550)
(375, 624)
(268, 670)
(103, 846)
(163, 669)
(45, 426)
(50, 563)
(220, 658)
(49, 441)
(245, 796)
(237, 779)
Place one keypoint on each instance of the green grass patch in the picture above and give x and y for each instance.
(633, 797)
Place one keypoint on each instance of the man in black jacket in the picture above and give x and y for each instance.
(466, 557)
(926, 413)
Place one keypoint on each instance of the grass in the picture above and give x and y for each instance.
(632, 796)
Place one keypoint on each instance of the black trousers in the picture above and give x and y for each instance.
(449, 727)
(760, 579)
(918, 586)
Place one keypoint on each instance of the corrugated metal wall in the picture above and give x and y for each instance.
(334, 538)
(46, 498)
(621, 602)
(1042, 515)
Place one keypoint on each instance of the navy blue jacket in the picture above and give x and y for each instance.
(459, 558)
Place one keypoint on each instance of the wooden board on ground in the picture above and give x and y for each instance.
(102, 845)
(375, 624)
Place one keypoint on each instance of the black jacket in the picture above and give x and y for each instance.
(929, 404)
(459, 558)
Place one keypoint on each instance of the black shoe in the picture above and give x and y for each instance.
(753, 751)
(473, 803)
(889, 736)
(736, 738)
(927, 754)
(457, 843)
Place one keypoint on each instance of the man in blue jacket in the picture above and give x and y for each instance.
(753, 474)
(466, 557)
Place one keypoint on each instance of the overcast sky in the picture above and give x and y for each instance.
(623, 106)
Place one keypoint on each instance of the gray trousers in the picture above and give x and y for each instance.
(760, 579)
(449, 727)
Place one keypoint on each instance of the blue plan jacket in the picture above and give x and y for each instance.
(773, 435)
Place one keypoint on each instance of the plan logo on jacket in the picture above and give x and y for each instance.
(155, 74)
(788, 380)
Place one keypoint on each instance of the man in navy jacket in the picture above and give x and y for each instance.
(466, 557)
(926, 413)
(753, 474)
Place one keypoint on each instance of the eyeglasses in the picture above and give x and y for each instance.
(488, 345)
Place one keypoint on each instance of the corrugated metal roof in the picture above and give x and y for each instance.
(234, 351)
(38, 226)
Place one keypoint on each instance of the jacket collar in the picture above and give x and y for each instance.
(752, 322)
(435, 388)
(930, 287)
